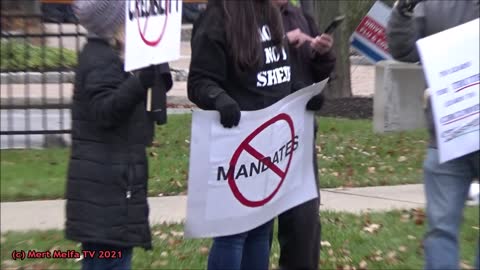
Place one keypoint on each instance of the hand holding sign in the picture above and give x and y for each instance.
(152, 30)
(229, 110)
(258, 171)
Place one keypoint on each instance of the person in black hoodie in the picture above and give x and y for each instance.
(106, 190)
(312, 61)
(239, 62)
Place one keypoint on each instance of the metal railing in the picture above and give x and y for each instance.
(37, 63)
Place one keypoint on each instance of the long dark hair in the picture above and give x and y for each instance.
(242, 21)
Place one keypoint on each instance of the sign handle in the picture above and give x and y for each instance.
(158, 99)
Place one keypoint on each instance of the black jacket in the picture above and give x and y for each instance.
(108, 171)
(212, 70)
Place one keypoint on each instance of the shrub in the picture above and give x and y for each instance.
(19, 56)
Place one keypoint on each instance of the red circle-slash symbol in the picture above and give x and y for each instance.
(245, 146)
(143, 32)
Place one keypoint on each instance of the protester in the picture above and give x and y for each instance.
(312, 61)
(106, 190)
(446, 184)
(229, 73)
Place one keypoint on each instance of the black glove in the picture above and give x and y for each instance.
(406, 7)
(316, 102)
(228, 109)
(146, 76)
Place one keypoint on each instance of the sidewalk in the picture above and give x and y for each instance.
(16, 92)
(45, 215)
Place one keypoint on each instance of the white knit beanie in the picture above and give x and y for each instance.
(100, 17)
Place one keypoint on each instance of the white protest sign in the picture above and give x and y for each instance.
(152, 32)
(369, 37)
(241, 178)
(450, 60)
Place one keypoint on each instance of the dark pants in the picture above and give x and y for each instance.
(299, 232)
(122, 262)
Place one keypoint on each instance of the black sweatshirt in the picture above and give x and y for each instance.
(212, 71)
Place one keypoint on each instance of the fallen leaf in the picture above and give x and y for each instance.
(362, 265)
(411, 237)
(378, 258)
(419, 216)
(371, 169)
(187, 141)
(159, 264)
(163, 236)
(473, 227)
(176, 234)
(164, 254)
(178, 184)
(9, 263)
(392, 256)
(402, 249)
(405, 217)
(372, 228)
(79, 259)
(204, 250)
(330, 252)
(336, 174)
(325, 244)
(160, 195)
(157, 232)
(402, 159)
(153, 154)
(466, 266)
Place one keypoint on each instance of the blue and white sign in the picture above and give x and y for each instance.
(369, 38)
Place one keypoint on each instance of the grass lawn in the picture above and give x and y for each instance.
(395, 245)
(350, 155)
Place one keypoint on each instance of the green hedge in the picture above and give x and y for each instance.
(18, 56)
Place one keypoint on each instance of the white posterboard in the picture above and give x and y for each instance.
(152, 32)
(241, 178)
(370, 37)
(450, 60)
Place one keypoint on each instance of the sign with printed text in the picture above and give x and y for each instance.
(454, 87)
(370, 37)
(152, 32)
(243, 177)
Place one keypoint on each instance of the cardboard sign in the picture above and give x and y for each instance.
(370, 38)
(241, 178)
(152, 32)
(450, 60)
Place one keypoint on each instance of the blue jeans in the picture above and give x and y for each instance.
(246, 251)
(122, 262)
(446, 190)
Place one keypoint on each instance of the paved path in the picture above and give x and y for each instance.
(44, 215)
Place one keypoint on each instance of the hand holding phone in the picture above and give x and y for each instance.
(322, 44)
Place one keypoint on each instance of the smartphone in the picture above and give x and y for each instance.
(334, 24)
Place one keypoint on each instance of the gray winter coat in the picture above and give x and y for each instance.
(430, 17)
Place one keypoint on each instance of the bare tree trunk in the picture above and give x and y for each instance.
(325, 12)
